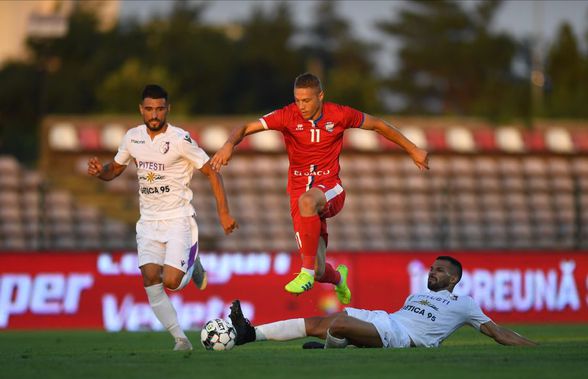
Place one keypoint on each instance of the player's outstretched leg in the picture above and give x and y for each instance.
(199, 276)
(245, 331)
(342, 290)
(302, 283)
(182, 344)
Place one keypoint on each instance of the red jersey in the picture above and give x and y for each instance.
(313, 146)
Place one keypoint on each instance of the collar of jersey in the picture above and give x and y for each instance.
(315, 122)
(442, 292)
(157, 136)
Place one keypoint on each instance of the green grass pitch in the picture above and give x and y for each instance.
(563, 353)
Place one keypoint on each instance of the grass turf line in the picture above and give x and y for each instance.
(467, 354)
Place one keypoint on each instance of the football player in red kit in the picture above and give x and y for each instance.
(313, 133)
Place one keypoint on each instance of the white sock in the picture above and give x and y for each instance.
(164, 310)
(308, 271)
(281, 330)
(334, 342)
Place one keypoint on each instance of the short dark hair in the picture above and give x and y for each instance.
(454, 262)
(154, 91)
(308, 80)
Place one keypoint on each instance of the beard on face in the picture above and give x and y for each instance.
(157, 127)
(436, 285)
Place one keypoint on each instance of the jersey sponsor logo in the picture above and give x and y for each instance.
(164, 147)
(329, 126)
(140, 142)
(153, 190)
(311, 173)
(151, 177)
(419, 311)
(151, 166)
(187, 138)
(428, 304)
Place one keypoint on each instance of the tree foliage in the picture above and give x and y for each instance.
(451, 61)
(566, 72)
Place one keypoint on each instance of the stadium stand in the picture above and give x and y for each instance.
(503, 188)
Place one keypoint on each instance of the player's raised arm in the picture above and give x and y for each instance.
(418, 155)
(222, 205)
(224, 154)
(505, 336)
(105, 172)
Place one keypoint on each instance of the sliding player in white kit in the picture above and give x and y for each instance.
(167, 233)
(425, 320)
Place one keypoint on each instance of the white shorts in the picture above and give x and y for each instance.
(391, 333)
(172, 242)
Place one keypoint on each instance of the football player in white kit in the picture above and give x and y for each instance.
(167, 233)
(426, 320)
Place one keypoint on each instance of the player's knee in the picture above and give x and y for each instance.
(307, 205)
(172, 283)
(314, 327)
(339, 326)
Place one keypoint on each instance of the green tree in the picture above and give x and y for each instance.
(566, 72)
(198, 57)
(343, 61)
(450, 60)
(267, 61)
(19, 111)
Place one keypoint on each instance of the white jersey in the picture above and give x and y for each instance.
(164, 169)
(430, 317)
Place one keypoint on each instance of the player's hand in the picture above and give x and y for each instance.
(94, 166)
(221, 157)
(228, 223)
(420, 158)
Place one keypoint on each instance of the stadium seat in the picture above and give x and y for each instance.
(559, 140)
(460, 140)
(509, 140)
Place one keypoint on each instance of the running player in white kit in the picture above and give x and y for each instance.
(425, 320)
(167, 233)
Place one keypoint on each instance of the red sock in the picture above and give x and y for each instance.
(330, 276)
(310, 230)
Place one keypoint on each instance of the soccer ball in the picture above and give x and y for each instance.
(218, 335)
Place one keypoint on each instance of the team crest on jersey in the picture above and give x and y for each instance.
(299, 127)
(164, 147)
(329, 126)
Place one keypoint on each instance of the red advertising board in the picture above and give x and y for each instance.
(104, 290)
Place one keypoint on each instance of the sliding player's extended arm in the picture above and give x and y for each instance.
(419, 156)
(504, 336)
(105, 172)
(222, 205)
(224, 154)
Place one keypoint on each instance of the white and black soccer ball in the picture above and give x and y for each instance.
(218, 335)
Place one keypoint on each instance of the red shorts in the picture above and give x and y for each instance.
(335, 195)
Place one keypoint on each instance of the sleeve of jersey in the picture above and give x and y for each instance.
(476, 317)
(353, 117)
(274, 120)
(123, 157)
(194, 153)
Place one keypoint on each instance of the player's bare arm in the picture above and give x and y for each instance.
(222, 205)
(224, 154)
(105, 172)
(418, 155)
(505, 336)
